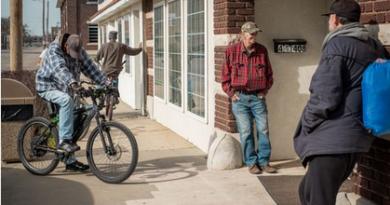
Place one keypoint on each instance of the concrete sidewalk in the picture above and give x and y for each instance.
(170, 171)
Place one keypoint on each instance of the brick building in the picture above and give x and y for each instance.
(75, 19)
(178, 80)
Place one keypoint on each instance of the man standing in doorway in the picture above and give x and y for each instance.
(113, 52)
(246, 78)
(329, 139)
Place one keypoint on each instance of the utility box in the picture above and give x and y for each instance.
(17, 106)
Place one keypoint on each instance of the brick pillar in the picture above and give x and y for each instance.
(229, 15)
(148, 8)
(372, 180)
(375, 12)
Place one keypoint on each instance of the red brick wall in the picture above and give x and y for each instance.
(375, 12)
(229, 15)
(76, 14)
(373, 176)
(148, 8)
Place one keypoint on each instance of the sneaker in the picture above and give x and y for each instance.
(69, 146)
(76, 166)
(267, 168)
(254, 169)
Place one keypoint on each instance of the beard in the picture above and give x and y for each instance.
(249, 42)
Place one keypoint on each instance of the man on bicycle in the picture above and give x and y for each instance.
(113, 52)
(56, 81)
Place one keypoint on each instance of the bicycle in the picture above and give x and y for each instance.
(111, 100)
(112, 150)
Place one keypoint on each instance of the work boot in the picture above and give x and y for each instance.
(76, 166)
(267, 168)
(69, 146)
(254, 169)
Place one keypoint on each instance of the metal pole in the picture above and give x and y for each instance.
(43, 23)
(16, 37)
(47, 25)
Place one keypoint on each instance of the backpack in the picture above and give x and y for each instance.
(376, 97)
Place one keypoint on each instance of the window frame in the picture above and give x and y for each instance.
(164, 78)
(184, 53)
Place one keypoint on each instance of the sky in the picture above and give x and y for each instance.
(32, 14)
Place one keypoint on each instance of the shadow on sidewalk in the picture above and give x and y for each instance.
(289, 164)
(169, 169)
(20, 187)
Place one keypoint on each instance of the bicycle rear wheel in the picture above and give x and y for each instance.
(114, 165)
(35, 137)
(110, 103)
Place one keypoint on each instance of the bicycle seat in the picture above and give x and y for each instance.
(52, 109)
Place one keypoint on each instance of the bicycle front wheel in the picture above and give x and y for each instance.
(112, 164)
(35, 138)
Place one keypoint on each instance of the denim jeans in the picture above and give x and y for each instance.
(65, 102)
(245, 109)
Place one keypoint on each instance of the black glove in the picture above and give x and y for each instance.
(81, 90)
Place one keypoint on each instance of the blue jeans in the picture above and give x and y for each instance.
(243, 109)
(65, 102)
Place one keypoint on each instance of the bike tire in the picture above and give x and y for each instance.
(110, 107)
(35, 160)
(116, 168)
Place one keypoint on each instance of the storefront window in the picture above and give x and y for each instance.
(119, 27)
(196, 57)
(174, 53)
(159, 52)
(126, 22)
(186, 79)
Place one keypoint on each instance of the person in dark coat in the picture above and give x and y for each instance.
(329, 139)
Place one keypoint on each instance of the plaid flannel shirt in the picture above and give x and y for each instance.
(59, 70)
(243, 71)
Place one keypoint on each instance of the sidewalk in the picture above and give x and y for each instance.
(170, 171)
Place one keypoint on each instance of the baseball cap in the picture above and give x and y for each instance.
(75, 45)
(345, 8)
(112, 34)
(250, 27)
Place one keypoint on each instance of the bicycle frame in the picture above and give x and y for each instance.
(110, 143)
(92, 110)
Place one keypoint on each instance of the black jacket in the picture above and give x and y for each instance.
(326, 125)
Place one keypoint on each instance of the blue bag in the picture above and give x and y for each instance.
(376, 97)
